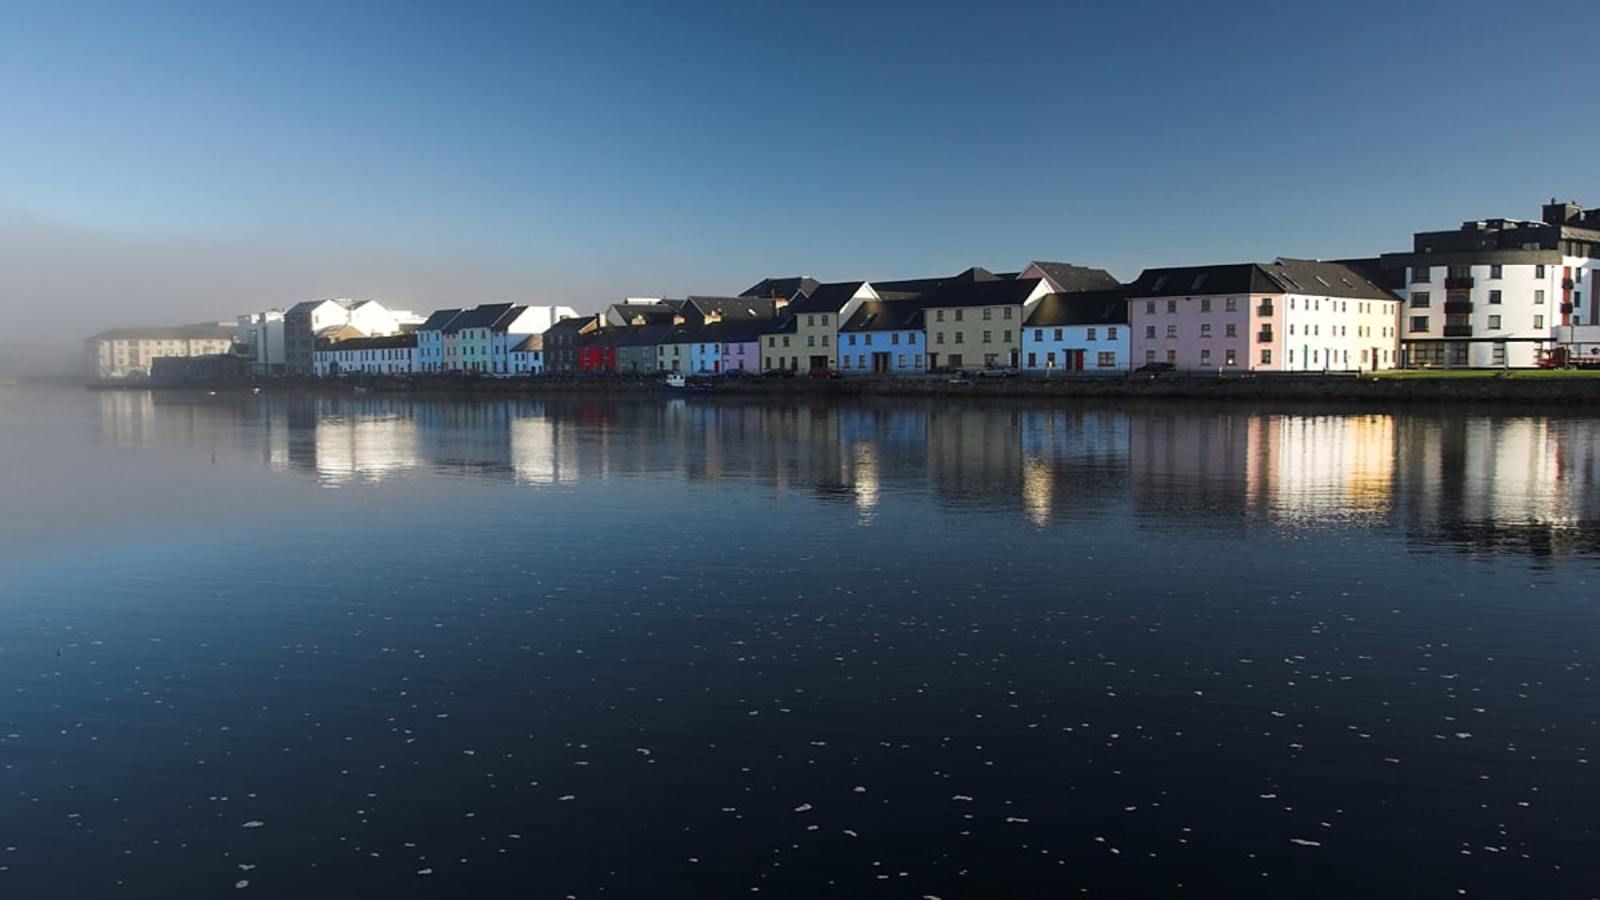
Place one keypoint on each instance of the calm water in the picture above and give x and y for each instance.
(294, 646)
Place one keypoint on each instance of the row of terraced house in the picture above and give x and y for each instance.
(1494, 292)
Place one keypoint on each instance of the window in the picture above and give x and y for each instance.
(1038, 334)
(811, 340)
(1231, 304)
(1149, 332)
(786, 340)
(894, 337)
(1538, 271)
(1009, 311)
(1149, 307)
(1172, 357)
(1172, 306)
(1106, 359)
(1538, 322)
(845, 360)
(1460, 271)
(988, 336)
(958, 315)
(917, 361)
(1205, 329)
(810, 321)
(861, 362)
(1172, 331)
(900, 361)
(1420, 274)
(1111, 333)
(1006, 336)
(1149, 356)
(1205, 304)
(911, 338)
(1497, 353)
(1266, 356)
(1420, 300)
(939, 337)
(938, 315)
(1230, 330)
(987, 313)
(1205, 357)
(852, 340)
(1538, 298)
(1230, 358)
(1089, 334)
(1419, 323)
(1494, 321)
(958, 337)
(825, 340)
(1494, 297)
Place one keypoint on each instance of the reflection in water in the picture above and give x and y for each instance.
(1487, 483)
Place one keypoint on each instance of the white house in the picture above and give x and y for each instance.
(1499, 292)
(390, 355)
(260, 337)
(527, 357)
(1081, 333)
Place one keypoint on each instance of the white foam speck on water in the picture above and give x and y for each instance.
(241, 884)
(804, 807)
(851, 832)
(1302, 842)
(859, 789)
(424, 871)
(253, 823)
(962, 797)
(567, 797)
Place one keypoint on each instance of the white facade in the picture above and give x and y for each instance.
(1489, 315)
(261, 336)
(527, 362)
(1338, 334)
(360, 356)
(1075, 349)
(128, 352)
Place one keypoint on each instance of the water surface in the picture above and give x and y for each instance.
(298, 646)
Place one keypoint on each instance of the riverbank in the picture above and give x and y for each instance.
(1539, 387)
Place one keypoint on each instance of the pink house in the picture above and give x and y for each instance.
(1288, 315)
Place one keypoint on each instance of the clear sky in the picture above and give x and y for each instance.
(193, 161)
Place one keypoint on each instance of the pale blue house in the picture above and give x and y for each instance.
(1081, 333)
(883, 337)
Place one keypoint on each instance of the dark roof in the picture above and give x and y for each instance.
(781, 288)
(997, 292)
(601, 337)
(200, 332)
(306, 306)
(1107, 307)
(530, 343)
(783, 324)
(731, 307)
(509, 316)
(1284, 276)
(734, 331)
(387, 342)
(439, 319)
(1325, 279)
(912, 287)
(827, 298)
(1069, 277)
(890, 315)
(484, 316)
(643, 335)
(1233, 278)
(625, 313)
(573, 324)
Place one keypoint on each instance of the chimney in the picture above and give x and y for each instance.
(1561, 213)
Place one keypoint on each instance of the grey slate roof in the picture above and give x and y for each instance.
(781, 288)
(911, 287)
(439, 319)
(1283, 276)
(1078, 278)
(996, 292)
(529, 344)
(732, 307)
(484, 316)
(1106, 307)
(642, 335)
(386, 342)
(886, 315)
(827, 298)
(1326, 279)
(200, 332)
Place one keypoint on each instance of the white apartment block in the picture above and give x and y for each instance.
(128, 352)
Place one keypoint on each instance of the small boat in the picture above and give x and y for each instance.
(676, 380)
(360, 389)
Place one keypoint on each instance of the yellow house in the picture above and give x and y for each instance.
(975, 325)
(817, 318)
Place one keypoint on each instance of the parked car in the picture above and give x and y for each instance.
(1155, 368)
(998, 372)
(826, 374)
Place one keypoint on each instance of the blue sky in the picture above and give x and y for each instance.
(579, 151)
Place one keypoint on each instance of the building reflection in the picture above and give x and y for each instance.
(1495, 484)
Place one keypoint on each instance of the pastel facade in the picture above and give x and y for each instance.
(1289, 315)
(527, 357)
(128, 352)
(977, 324)
(817, 317)
(430, 354)
(883, 337)
(1081, 333)
(388, 356)
(304, 324)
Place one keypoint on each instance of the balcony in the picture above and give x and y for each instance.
(1458, 331)
(1458, 283)
(1263, 337)
(1264, 309)
(1457, 307)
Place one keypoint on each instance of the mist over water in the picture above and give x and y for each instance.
(336, 645)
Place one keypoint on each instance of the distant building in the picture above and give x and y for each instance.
(1291, 315)
(259, 338)
(1065, 278)
(128, 352)
(307, 323)
(816, 318)
(1501, 292)
(389, 355)
(527, 357)
(430, 358)
(561, 344)
(1084, 332)
(782, 290)
(976, 323)
(637, 347)
(883, 337)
